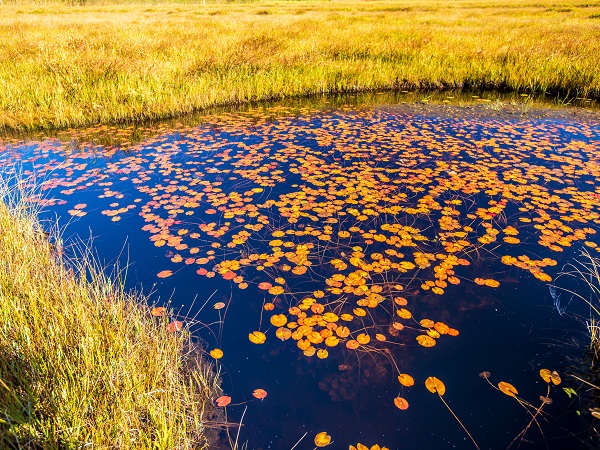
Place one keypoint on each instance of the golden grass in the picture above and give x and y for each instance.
(63, 65)
(82, 363)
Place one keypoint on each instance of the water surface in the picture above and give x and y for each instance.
(365, 242)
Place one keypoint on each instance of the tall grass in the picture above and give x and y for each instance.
(82, 362)
(63, 65)
(581, 281)
(587, 271)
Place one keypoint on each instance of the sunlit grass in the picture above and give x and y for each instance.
(82, 362)
(64, 65)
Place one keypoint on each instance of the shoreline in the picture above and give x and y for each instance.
(508, 105)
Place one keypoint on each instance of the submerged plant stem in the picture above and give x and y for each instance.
(533, 419)
(458, 420)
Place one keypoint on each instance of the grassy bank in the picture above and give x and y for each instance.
(84, 363)
(63, 65)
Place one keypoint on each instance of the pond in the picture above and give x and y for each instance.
(348, 258)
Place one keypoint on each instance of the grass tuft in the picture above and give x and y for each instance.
(585, 272)
(82, 362)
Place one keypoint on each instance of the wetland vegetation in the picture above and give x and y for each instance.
(358, 256)
(84, 363)
(302, 268)
(68, 65)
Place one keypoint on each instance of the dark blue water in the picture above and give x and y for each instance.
(428, 173)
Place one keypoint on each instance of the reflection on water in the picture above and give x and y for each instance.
(339, 257)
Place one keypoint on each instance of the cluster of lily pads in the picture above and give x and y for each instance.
(342, 222)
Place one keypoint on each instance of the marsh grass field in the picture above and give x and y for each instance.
(65, 65)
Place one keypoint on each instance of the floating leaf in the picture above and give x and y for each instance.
(427, 323)
(257, 337)
(441, 328)
(406, 380)
(342, 331)
(322, 439)
(404, 313)
(359, 312)
(159, 311)
(555, 377)
(299, 270)
(219, 305)
(508, 389)
(259, 393)
(276, 290)
(330, 317)
(223, 400)
(332, 341)
(491, 283)
(401, 403)
(283, 333)
(265, 286)
(425, 341)
(278, 320)
(352, 344)
(546, 375)
(174, 326)
(322, 353)
(400, 301)
(363, 338)
(216, 353)
(164, 273)
(434, 385)
(310, 351)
